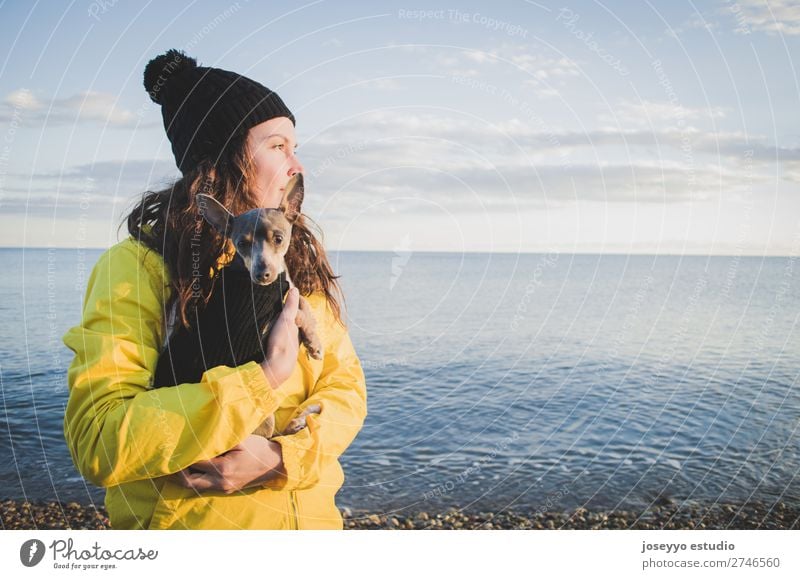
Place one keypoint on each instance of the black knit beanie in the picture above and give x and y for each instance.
(204, 107)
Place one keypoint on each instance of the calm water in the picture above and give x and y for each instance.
(497, 381)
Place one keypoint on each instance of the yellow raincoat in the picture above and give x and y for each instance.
(126, 437)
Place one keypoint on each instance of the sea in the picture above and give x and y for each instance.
(496, 382)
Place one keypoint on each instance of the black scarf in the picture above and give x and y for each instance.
(228, 331)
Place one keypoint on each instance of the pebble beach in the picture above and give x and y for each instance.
(717, 516)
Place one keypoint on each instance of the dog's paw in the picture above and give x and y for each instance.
(315, 353)
(294, 426)
(313, 348)
(299, 423)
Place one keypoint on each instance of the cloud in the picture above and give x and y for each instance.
(26, 109)
(526, 59)
(514, 186)
(463, 165)
(541, 72)
(466, 166)
(659, 114)
(772, 17)
(118, 175)
(533, 136)
(696, 21)
(792, 171)
(384, 83)
(411, 160)
(100, 185)
(23, 99)
(747, 16)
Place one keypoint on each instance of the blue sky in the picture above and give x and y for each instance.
(620, 127)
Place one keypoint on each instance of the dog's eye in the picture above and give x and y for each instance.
(278, 239)
(241, 244)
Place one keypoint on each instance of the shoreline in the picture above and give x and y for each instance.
(24, 515)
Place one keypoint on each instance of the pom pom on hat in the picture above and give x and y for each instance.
(162, 68)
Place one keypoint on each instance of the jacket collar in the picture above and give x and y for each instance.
(228, 251)
(228, 254)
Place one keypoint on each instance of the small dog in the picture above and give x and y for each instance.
(261, 238)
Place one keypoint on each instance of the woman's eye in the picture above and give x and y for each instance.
(278, 146)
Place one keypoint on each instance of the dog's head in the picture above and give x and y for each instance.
(261, 236)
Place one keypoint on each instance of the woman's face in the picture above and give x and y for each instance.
(272, 148)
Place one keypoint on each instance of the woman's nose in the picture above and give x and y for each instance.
(295, 166)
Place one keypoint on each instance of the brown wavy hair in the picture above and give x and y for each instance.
(169, 222)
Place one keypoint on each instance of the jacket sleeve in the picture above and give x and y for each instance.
(119, 430)
(341, 392)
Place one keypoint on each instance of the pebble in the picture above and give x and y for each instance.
(51, 515)
(675, 515)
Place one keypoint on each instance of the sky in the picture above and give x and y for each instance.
(648, 127)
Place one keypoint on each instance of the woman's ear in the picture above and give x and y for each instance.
(293, 198)
(215, 213)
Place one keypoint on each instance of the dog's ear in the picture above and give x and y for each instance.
(215, 213)
(293, 198)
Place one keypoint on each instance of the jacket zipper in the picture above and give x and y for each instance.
(295, 520)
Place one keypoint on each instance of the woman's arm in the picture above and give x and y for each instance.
(296, 461)
(250, 463)
(117, 429)
(341, 392)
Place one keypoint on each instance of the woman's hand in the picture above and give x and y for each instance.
(251, 463)
(283, 343)
(255, 460)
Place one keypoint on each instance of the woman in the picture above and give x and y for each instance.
(184, 457)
